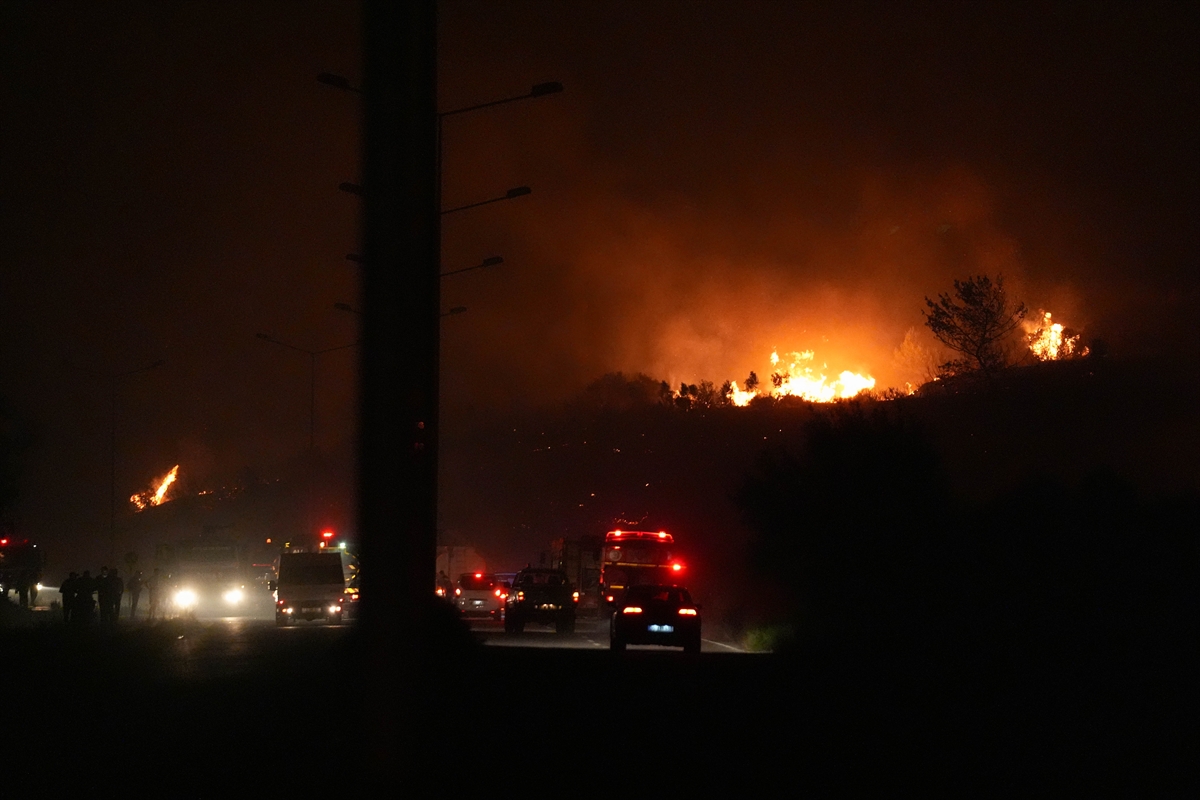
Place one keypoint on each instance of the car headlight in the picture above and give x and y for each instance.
(233, 596)
(185, 598)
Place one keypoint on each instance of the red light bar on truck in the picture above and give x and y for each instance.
(633, 536)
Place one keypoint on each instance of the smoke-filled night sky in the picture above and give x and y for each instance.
(717, 181)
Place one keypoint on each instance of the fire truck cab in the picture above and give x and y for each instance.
(21, 565)
(637, 558)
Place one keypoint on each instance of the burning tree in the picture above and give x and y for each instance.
(1051, 341)
(975, 323)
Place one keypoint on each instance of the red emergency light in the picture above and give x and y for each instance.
(327, 534)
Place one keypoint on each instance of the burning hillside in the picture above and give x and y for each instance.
(797, 377)
(797, 374)
(158, 493)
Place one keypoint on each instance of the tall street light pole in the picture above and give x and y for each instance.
(312, 382)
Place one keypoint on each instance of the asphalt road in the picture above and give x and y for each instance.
(590, 634)
(234, 707)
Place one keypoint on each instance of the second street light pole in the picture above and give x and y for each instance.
(312, 411)
(312, 380)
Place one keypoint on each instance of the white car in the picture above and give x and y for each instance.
(480, 595)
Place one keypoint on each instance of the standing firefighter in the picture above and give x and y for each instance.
(156, 585)
(69, 589)
(135, 591)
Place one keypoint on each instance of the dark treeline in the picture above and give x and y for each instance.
(863, 529)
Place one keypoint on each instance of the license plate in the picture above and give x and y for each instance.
(661, 628)
(310, 610)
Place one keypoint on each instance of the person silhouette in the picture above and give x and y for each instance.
(156, 586)
(69, 589)
(84, 610)
(116, 588)
(135, 591)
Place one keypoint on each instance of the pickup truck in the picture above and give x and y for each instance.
(540, 595)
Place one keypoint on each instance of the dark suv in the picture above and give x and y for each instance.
(662, 615)
(540, 595)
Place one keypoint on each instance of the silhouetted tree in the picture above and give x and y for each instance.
(616, 391)
(975, 323)
(752, 382)
(709, 396)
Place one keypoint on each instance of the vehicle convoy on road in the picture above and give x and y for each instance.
(540, 595)
(662, 615)
(480, 595)
(637, 558)
(21, 565)
(310, 586)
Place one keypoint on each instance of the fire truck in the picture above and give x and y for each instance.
(637, 558)
(581, 559)
(21, 565)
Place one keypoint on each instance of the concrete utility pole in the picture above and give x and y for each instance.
(400, 338)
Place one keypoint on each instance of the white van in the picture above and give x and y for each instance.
(310, 586)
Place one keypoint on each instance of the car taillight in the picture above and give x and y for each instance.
(631, 610)
(687, 612)
(457, 592)
(575, 596)
(609, 598)
(498, 593)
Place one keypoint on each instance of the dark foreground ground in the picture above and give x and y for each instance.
(194, 710)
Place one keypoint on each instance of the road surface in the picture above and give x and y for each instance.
(590, 634)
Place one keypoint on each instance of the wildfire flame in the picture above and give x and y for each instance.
(798, 379)
(157, 495)
(1049, 341)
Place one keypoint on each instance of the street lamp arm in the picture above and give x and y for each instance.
(338, 82)
(332, 349)
(487, 262)
(538, 90)
(511, 194)
(267, 338)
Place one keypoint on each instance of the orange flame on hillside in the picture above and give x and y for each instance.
(158, 495)
(798, 379)
(1050, 341)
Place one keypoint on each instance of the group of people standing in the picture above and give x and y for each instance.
(83, 594)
